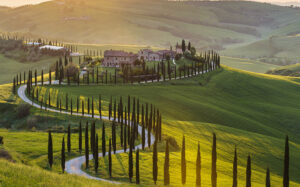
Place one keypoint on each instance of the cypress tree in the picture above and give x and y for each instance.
(268, 182)
(125, 138)
(63, 159)
(167, 165)
(100, 113)
(114, 144)
(286, 163)
(93, 136)
(115, 110)
(96, 154)
(86, 145)
(42, 77)
(103, 140)
(154, 159)
(183, 162)
(50, 149)
(183, 47)
(235, 182)
(214, 162)
(143, 129)
(88, 105)
(92, 107)
(77, 104)
(198, 167)
(71, 107)
(137, 170)
(82, 107)
(109, 159)
(130, 161)
(69, 139)
(80, 137)
(14, 86)
(67, 98)
(248, 172)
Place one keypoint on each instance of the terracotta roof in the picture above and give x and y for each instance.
(115, 53)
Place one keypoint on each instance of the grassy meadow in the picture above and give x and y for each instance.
(251, 111)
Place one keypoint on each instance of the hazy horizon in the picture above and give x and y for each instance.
(16, 3)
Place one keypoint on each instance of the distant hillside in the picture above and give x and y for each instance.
(291, 70)
(156, 22)
(283, 50)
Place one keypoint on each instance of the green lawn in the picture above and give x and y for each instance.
(249, 110)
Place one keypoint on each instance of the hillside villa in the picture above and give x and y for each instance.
(114, 58)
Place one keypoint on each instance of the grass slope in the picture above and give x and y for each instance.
(290, 70)
(252, 111)
(157, 23)
(13, 174)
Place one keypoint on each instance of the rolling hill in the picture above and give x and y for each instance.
(157, 23)
(290, 70)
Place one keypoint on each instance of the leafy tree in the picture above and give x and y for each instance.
(183, 162)
(248, 172)
(214, 162)
(63, 158)
(167, 165)
(50, 149)
(198, 167)
(286, 163)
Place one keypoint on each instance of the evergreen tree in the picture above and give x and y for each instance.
(86, 145)
(130, 161)
(183, 162)
(143, 129)
(80, 137)
(96, 154)
(155, 162)
(286, 179)
(100, 113)
(189, 46)
(137, 170)
(42, 77)
(69, 139)
(103, 140)
(93, 136)
(50, 149)
(63, 158)
(198, 167)
(235, 182)
(114, 139)
(125, 138)
(214, 162)
(82, 107)
(183, 47)
(167, 165)
(268, 182)
(248, 172)
(92, 107)
(109, 159)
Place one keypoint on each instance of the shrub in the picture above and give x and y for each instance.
(32, 122)
(23, 110)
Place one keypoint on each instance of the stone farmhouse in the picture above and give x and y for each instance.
(114, 58)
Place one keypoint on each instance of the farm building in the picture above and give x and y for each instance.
(113, 58)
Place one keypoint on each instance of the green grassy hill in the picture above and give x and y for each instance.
(252, 111)
(156, 23)
(13, 174)
(283, 50)
(290, 70)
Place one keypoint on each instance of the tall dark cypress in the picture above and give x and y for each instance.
(198, 167)
(92, 107)
(96, 154)
(50, 149)
(268, 181)
(69, 139)
(109, 159)
(167, 165)
(114, 139)
(125, 139)
(82, 108)
(86, 145)
(214, 162)
(234, 175)
(93, 136)
(100, 113)
(63, 156)
(286, 179)
(183, 162)
(130, 161)
(88, 105)
(103, 141)
(143, 129)
(80, 138)
(248, 172)
(137, 167)
(154, 161)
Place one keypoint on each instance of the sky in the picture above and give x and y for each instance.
(16, 3)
